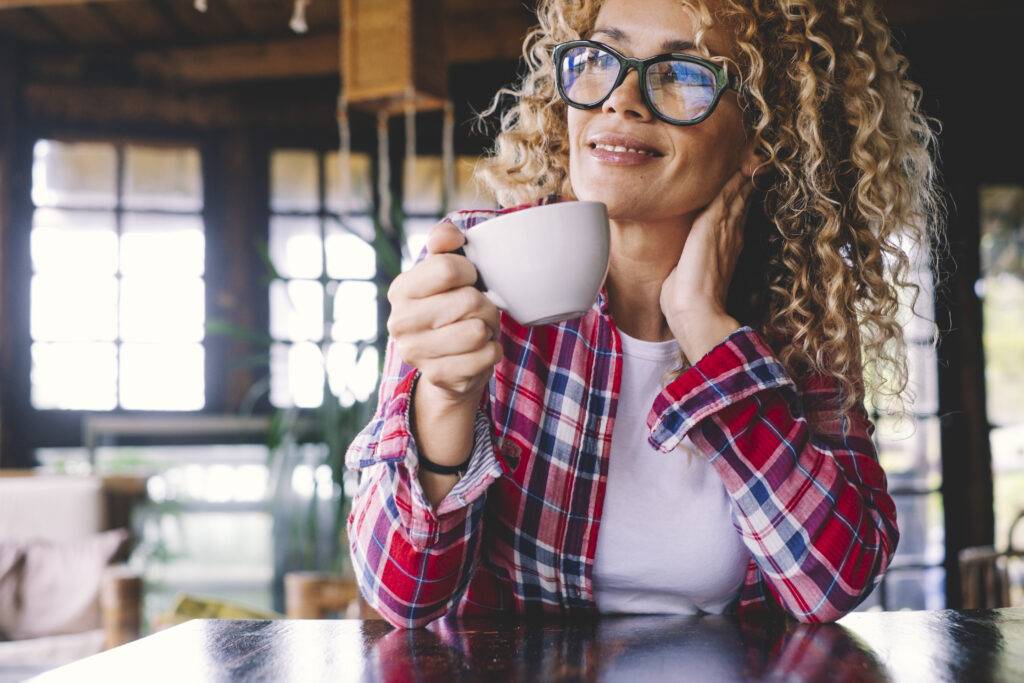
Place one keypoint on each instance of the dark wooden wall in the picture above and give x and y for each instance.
(969, 68)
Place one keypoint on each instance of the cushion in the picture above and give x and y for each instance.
(60, 585)
(12, 555)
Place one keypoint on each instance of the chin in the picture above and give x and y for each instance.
(622, 203)
(612, 194)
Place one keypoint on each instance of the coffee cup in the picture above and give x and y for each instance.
(545, 264)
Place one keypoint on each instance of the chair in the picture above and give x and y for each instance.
(39, 509)
(315, 595)
(990, 578)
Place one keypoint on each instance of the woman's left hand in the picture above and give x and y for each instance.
(693, 295)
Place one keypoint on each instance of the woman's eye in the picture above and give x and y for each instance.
(599, 60)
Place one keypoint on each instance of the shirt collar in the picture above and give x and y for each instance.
(602, 301)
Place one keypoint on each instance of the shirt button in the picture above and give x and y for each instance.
(511, 452)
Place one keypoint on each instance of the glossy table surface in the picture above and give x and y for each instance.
(944, 645)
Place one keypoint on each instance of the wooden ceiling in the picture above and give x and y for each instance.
(155, 23)
(233, 41)
(240, 40)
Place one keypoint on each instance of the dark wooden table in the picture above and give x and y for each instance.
(945, 645)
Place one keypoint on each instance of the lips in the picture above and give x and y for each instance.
(616, 148)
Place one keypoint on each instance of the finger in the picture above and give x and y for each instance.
(463, 367)
(444, 309)
(435, 274)
(464, 336)
(444, 237)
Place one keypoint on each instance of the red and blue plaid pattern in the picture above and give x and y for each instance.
(518, 532)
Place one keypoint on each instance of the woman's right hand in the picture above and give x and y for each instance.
(442, 325)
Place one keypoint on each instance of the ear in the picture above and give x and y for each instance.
(750, 159)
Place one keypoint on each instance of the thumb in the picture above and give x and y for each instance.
(444, 237)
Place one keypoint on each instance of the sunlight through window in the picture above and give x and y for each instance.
(118, 300)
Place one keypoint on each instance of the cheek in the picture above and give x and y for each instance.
(707, 159)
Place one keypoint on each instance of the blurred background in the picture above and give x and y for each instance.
(197, 234)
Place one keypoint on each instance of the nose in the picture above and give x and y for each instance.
(626, 99)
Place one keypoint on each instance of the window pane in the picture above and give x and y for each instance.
(423, 185)
(295, 248)
(919, 326)
(468, 193)
(280, 389)
(74, 174)
(162, 376)
(293, 181)
(296, 375)
(921, 529)
(80, 376)
(360, 197)
(352, 380)
(908, 450)
(349, 256)
(1002, 289)
(1002, 295)
(296, 310)
(417, 230)
(355, 311)
(162, 309)
(171, 245)
(74, 308)
(162, 178)
(923, 379)
(83, 243)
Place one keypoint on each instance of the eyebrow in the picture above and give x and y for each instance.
(621, 36)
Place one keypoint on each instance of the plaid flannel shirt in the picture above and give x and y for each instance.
(518, 532)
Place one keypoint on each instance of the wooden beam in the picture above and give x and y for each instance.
(315, 55)
(77, 104)
(17, 4)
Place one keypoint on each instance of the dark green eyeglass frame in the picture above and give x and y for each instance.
(723, 81)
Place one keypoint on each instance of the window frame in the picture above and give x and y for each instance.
(27, 427)
(322, 214)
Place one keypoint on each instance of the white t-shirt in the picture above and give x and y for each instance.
(666, 544)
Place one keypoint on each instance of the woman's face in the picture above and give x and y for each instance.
(687, 165)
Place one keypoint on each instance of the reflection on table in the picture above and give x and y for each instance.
(944, 645)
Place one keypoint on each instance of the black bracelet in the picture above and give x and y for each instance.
(430, 466)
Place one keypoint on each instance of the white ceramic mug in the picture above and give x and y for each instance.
(544, 264)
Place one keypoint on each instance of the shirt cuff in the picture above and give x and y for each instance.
(398, 448)
(738, 367)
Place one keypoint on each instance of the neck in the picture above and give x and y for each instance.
(643, 253)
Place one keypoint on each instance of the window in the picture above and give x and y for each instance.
(1001, 290)
(323, 302)
(909, 450)
(423, 203)
(117, 292)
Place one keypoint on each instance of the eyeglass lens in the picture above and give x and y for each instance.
(678, 90)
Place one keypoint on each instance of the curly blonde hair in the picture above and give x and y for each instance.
(849, 187)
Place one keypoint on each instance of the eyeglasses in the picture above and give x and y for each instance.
(681, 89)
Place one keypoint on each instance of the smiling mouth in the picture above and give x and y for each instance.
(621, 149)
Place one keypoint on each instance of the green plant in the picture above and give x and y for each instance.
(332, 424)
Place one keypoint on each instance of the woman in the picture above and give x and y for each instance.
(697, 442)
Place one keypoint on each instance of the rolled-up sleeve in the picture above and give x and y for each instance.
(412, 559)
(810, 496)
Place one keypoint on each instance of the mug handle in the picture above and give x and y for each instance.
(494, 297)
